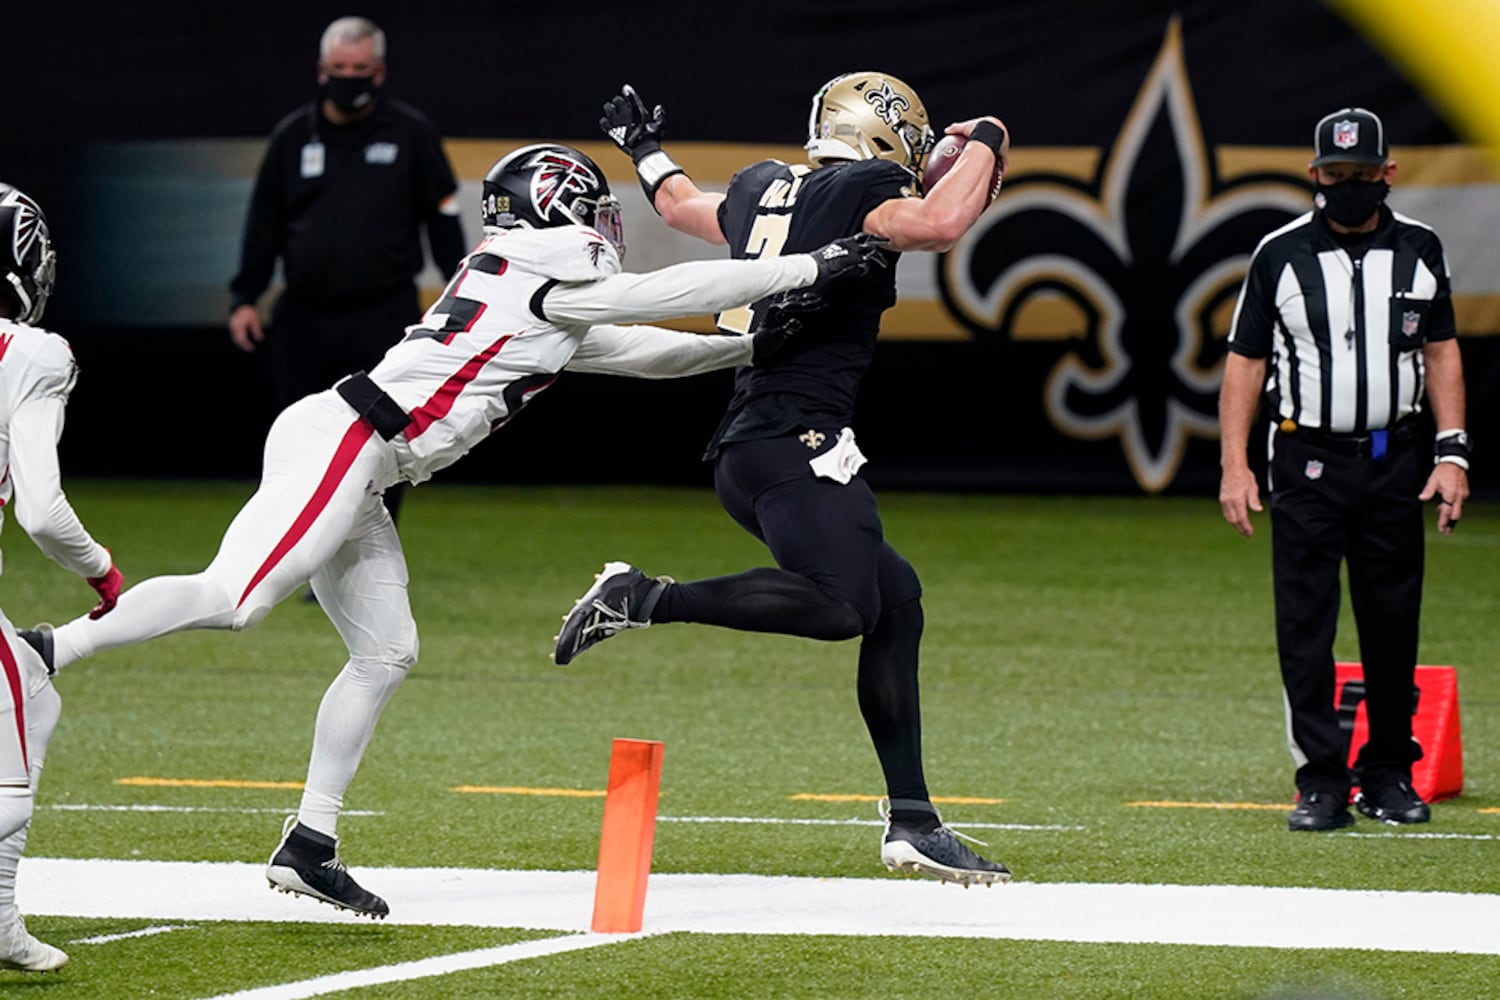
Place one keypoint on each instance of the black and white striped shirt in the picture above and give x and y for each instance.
(1343, 327)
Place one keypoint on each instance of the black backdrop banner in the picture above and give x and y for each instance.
(1073, 341)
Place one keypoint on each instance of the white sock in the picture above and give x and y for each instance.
(346, 720)
(15, 821)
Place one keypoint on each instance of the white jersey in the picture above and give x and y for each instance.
(37, 372)
(525, 304)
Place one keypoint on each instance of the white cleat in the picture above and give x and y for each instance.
(19, 950)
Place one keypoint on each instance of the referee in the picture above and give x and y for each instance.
(347, 183)
(1345, 321)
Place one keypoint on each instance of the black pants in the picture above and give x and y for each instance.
(823, 530)
(1329, 507)
(313, 345)
(836, 577)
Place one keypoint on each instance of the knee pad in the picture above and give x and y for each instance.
(899, 583)
(384, 675)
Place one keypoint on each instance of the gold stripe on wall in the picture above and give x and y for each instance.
(714, 163)
(1427, 166)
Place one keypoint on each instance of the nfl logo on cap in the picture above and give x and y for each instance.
(1349, 135)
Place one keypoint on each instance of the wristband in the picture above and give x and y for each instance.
(987, 133)
(1452, 447)
(653, 169)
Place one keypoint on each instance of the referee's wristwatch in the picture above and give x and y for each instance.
(1452, 446)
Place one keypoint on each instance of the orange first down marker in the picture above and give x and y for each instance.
(627, 836)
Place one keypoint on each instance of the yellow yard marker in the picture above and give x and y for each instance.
(144, 782)
(947, 800)
(572, 793)
(1209, 805)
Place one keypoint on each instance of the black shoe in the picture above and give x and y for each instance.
(39, 638)
(936, 853)
(1320, 811)
(307, 863)
(622, 597)
(1393, 802)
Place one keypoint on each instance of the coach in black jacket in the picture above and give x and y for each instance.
(1346, 322)
(347, 183)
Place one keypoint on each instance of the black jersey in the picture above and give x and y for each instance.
(774, 208)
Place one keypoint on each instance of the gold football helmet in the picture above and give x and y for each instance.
(866, 116)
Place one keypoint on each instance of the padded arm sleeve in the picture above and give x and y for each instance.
(651, 352)
(688, 289)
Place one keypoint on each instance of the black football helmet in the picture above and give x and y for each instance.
(549, 185)
(26, 257)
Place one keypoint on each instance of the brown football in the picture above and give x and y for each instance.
(941, 158)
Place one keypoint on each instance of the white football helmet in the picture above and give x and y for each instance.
(867, 116)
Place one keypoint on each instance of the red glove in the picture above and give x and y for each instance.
(108, 586)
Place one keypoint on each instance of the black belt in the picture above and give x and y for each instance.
(1358, 445)
(370, 402)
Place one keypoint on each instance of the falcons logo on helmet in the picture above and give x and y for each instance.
(556, 174)
(28, 224)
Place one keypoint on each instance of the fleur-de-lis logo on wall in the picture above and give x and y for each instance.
(1137, 269)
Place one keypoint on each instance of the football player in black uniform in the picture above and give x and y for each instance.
(786, 463)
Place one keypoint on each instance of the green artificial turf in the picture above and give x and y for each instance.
(1081, 655)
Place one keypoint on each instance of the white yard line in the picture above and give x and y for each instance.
(438, 965)
(143, 932)
(147, 808)
(1236, 916)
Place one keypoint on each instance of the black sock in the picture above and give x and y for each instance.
(888, 700)
(760, 600)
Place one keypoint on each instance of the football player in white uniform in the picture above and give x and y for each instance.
(538, 294)
(37, 372)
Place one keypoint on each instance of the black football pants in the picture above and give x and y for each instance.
(1327, 508)
(836, 577)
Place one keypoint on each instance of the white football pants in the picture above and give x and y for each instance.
(29, 709)
(316, 516)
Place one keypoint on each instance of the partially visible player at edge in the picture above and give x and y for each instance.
(786, 461)
(37, 372)
(540, 293)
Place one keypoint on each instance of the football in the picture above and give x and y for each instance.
(942, 157)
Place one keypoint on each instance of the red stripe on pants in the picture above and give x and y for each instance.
(17, 697)
(359, 432)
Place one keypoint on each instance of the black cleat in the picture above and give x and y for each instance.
(936, 853)
(1395, 802)
(1320, 811)
(622, 597)
(307, 863)
(39, 638)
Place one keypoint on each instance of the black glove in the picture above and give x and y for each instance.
(851, 256)
(779, 322)
(630, 126)
(638, 132)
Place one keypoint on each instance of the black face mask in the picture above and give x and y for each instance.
(350, 94)
(1351, 202)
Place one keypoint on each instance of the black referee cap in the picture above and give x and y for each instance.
(1349, 135)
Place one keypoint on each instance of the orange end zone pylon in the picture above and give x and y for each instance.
(626, 839)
